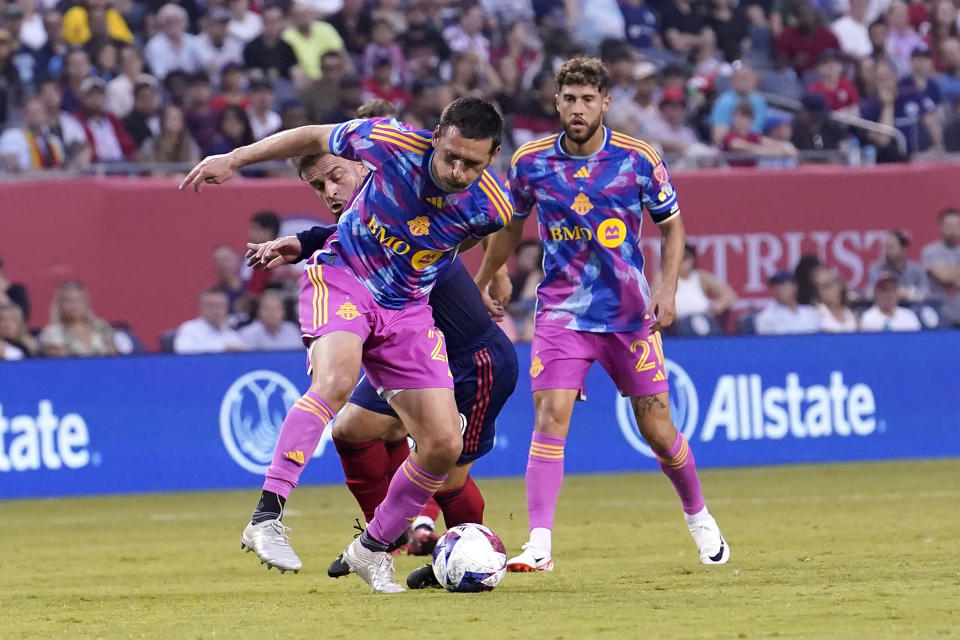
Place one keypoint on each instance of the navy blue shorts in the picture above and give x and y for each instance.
(483, 379)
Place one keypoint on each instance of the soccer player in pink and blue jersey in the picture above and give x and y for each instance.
(363, 302)
(590, 186)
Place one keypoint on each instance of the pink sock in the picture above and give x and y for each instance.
(678, 463)
(544, 477)
(409, 491)
(299, 437)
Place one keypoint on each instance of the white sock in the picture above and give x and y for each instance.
(541, 538)
(693, 518)
(424, 521)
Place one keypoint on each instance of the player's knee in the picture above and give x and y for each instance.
(442, 449)
(548, 421)
(333, 387)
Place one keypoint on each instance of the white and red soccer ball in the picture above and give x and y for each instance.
(469, 558)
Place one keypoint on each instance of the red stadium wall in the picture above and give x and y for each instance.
(143, 248)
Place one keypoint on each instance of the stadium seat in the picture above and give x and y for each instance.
(166, 341)
(698, 324)
(747, 324)
(930, 315)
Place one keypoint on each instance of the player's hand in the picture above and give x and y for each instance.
(212, 169)
(663, 307)
(501, 288)
(494, 308)
(274, 253)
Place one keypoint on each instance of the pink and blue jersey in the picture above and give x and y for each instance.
(590, 211)
(401, 230)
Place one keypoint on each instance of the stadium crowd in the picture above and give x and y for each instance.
(113, 82)
(248, 310)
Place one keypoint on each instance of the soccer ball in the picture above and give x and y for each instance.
(469, 558)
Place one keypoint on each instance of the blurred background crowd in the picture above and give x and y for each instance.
(117, 86)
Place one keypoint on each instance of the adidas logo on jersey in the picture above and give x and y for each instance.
(436, 201)
(582, 172)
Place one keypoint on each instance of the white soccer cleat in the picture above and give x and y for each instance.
(269, 541)
(706, 533)
(375, 567)
(532, 559)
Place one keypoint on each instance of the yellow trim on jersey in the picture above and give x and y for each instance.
(633, 144)
(315, 274)
(402, 134)
(500, 200)
(399, 139)
(533, 145)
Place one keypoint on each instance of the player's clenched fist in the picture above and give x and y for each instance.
(213, 169)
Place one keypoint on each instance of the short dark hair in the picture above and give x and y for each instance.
(949, 211)
(475, 118)
(585, 72)
(901, 237)
(267, 220)
(377, 108)
(305, 162)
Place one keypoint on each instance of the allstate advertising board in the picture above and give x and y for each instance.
(164, 423)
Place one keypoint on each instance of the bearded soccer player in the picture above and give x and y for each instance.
(590, 186)
(363, 302)
(369, 437)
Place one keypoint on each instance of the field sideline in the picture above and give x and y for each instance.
(840, 551)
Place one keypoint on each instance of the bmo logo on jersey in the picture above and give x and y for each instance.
(743, 408)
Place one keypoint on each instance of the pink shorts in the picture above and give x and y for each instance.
(560, 358)
(402, 349)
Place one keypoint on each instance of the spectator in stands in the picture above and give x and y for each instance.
(743, 87)
(31, 146)
(218, 48)
(812, 128)
(14, 293)
(233, 130)
(699, 291)
(269, 54)
(172, 47)
(901, 38)
(64, 125)
(670, 131)
(172, 143)
(921, 79)
(839, 91)
(682, 24)
(77, 22)
(76, 70)
(805, 274)
(263, 119)
(885, 314)
(784, 314)
(321, 95)
(120, 90)
(310, 39)
(74, 329)
(293, 115)
(382, 46)
(423, 40)
(472, 76)
(741, 139)
(11, 87)
(143, 122)
(354, 22)
(105, 133)
(50, 60)
(949, 79)
(32, 33)
(834, 304)
(941, 259)
(851, 30)
(232, 80)
(201, 118)
(270, 331)
(943, 27)
(912, 277)
(537, 112)
(912, 113)
(14, 332)
(381, 84)
(264, 227)
(349, 97)
(467, 34)
(801, 45)
(525, 278)
(521, 51)
(227, 268)
(728, 20)
(245, 25)
(210, 332)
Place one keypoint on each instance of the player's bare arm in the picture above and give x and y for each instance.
(286, 144)
(663, 303)
(275, 253)
(499, 248)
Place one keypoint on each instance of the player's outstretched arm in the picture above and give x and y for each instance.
(663, 302)
(301, 141)
(497, 250)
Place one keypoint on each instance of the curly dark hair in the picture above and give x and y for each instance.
(588, 72)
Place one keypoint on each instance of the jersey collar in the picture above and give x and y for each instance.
(562, 151)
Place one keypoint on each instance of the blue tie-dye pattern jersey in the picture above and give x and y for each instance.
(401, 230)
(590, 211)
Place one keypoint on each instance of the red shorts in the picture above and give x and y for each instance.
(561, 357)
(402, 349)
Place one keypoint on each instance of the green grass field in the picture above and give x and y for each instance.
(865, 550)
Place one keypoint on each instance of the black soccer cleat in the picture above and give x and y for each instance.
(338, 568)
(423, 578)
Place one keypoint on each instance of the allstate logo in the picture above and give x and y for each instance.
(684, 409)
(251, 414)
